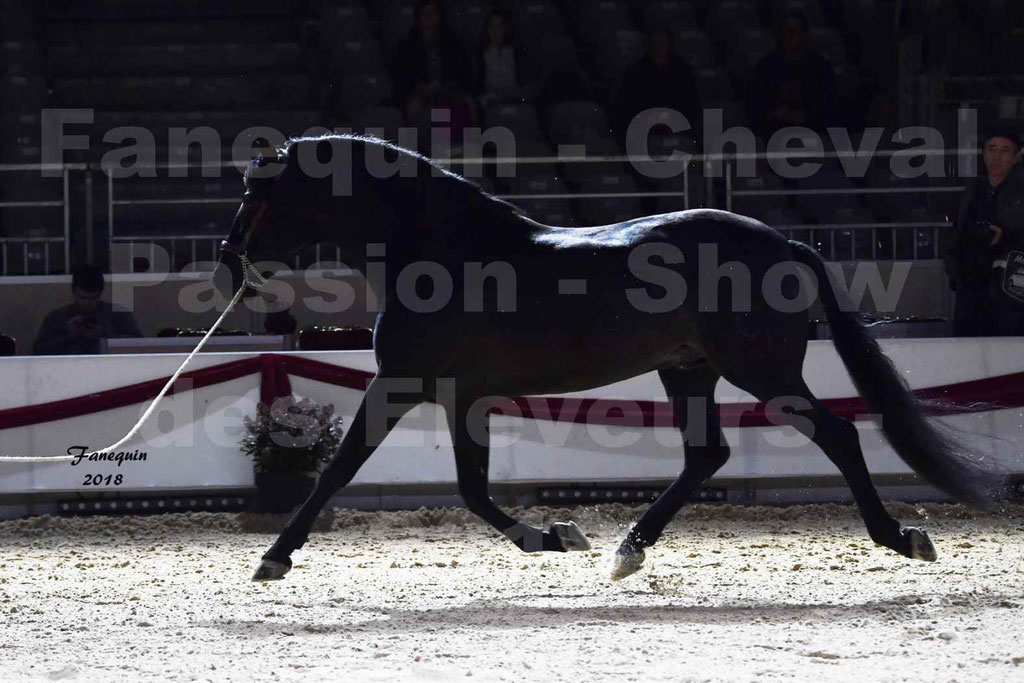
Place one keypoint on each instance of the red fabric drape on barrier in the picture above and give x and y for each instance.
(980, 395)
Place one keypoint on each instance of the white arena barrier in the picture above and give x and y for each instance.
(192, 440)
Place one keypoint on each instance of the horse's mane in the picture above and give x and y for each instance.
(432, 176)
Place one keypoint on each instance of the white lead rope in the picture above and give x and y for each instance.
(152, 406)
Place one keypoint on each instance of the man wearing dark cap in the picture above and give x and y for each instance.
(78, 327)
(989, 225)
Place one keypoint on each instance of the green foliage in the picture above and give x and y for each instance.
(291, 437)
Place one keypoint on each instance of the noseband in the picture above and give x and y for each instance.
(248, 268)
(239, 250)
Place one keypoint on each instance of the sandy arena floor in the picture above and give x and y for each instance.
(730, 594)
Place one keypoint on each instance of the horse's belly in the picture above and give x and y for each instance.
(559, 360)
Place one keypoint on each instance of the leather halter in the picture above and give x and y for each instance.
(239, 249)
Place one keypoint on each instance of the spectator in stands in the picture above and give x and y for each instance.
(498, 62)
(792, 87)
(432, 72)
(660, 79)
(990, 225)
(78, 327)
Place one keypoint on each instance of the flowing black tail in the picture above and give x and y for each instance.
(939, 459)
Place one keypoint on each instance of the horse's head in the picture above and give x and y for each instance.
(272, 223)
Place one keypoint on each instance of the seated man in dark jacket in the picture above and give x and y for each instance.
(78, 327)
(989, 228)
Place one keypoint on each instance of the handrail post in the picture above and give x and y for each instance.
(90, 229)
(67, 222)
(110, 221)
(686, 186)
(728, 186)
(709, 184)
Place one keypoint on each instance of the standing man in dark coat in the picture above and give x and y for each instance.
(990, 224)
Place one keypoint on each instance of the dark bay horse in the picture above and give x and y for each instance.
(638, 299)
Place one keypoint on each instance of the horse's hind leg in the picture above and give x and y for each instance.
(692, 393)
(839, 440)
(467, 421)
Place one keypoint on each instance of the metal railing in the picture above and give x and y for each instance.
(924, 232)
(720, 188)
(30, 250)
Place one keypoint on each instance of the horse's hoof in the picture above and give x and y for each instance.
(571, 536)
(626, 563)
(921, 547)
(269, 570)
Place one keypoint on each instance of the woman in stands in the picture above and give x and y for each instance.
(433, 74)
(498, 64)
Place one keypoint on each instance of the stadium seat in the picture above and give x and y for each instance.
(809, 8)
(729, 16)
(598, 18)
(821, 208)
(714, 85)
(356, 56)
(180, 92)
(678, 185)
(21, 58)
(557, 212)
(506, 174)
(851, 244)
(579, 173)
(733, 112)
(758, 205)
(520, 118)
(661, 142)
(27, 92)
(604, 210)
(747, 47)
(829, 44)
(621, 49)
(695, 47)
(212, 31)
(921, 237)
(577, 122)
(550, 211)
(344, 21)
(887, 206)
(8, 346)
(537, 183)
(467, 20)
(775, 217)
(397, 19)
(363, 90)
(547, 54)
(380, 121)
(184, 59)
(22, 135)
(533, 18)
(131, 9)
(670, 14)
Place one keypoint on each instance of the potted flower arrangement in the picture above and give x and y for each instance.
(289, 441)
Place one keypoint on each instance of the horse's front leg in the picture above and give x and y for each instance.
(471, 439)
(373, 421)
